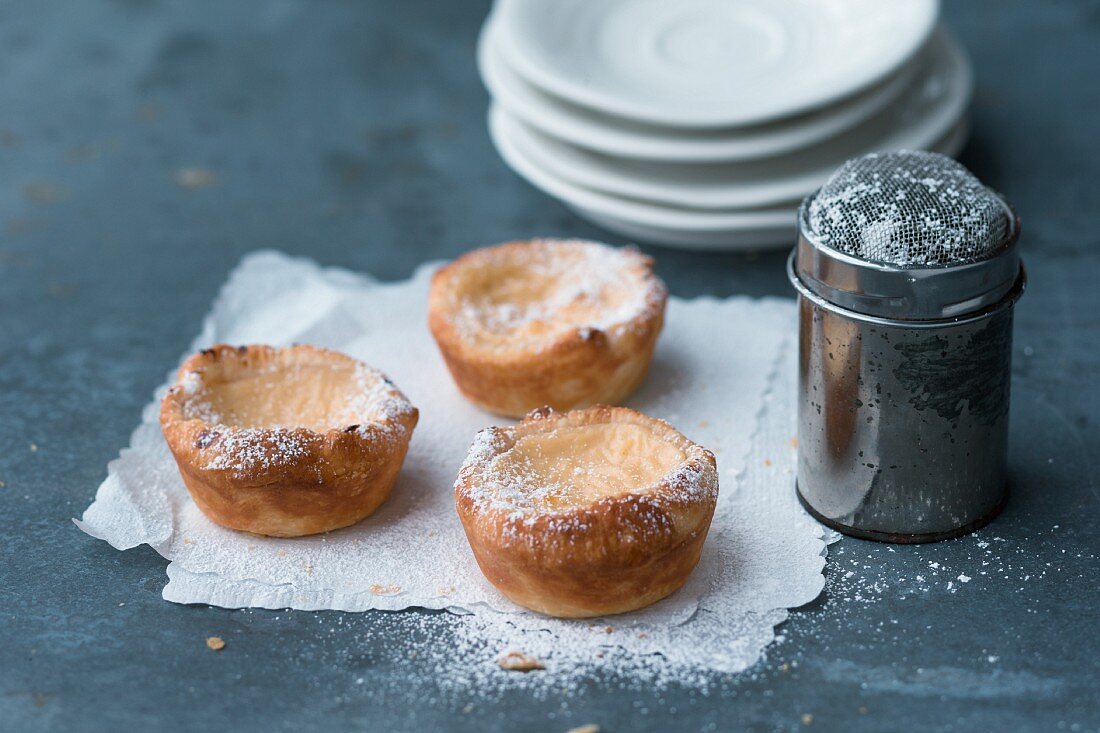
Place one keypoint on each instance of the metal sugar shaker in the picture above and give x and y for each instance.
(907, 270)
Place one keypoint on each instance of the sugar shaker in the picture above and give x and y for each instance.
(907, 269)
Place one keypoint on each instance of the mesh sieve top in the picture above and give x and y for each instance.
(908, 208)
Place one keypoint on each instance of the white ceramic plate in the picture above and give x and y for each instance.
(638, 211)
(925, 113)
(735, 239)
(669, 226)
(623, 138)
(710, 63)
(740, 239)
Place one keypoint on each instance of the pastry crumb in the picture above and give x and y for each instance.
(195, 178)
(215, 643)
(589, 728)
(519, 662)
(385, 590)
(807, 719)
(794, 442)
(767, 461)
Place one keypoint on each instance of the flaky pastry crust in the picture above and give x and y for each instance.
(579, 556)
(563, 323)
(285, 442)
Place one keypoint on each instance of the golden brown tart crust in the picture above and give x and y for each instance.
(594, 545)
(285, 442)
(559, 323)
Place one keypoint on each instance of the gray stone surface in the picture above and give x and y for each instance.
(353, 132)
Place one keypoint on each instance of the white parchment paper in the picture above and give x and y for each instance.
(722, 368)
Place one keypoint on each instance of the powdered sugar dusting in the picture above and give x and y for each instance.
(373, 402)
(583, 286)
(496, 481)
(191, 383)
(762, 556)
(245, 451)
(908, 208)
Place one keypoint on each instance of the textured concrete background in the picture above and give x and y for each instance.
(353, 132)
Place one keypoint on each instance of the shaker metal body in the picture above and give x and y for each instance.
(903, 391)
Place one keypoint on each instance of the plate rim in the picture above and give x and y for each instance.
(742, 240)
(574, 196)
(545, 78)
(642, 211)
(540, 108)
(921, 132)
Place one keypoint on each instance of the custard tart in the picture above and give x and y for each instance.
(586, 513)
(285, 442)
(558, 323)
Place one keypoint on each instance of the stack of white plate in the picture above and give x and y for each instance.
(702, 123)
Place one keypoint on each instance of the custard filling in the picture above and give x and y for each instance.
(532, 299)
(577, 465)
(312, 396)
